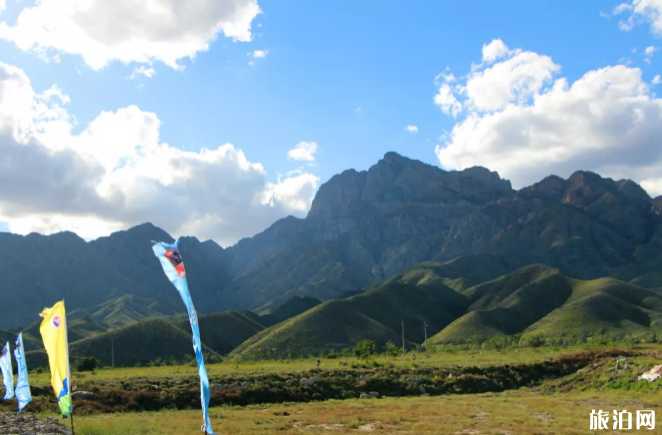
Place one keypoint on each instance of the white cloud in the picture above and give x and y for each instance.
(607, 121)
(412, 129)
(259, 54)
(494, 50)
(145, 31)
(657, 80)
(514, 80)
(142, 71)
(447, 101)
(445, 77)
(517, 77)
(358, 109)
(117, 172)
(648, 53)
(641, 11)
(303, 151)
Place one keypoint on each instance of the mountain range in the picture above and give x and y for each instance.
(372, 232)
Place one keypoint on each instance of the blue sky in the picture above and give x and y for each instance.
(347, 75)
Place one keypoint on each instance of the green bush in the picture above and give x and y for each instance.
(391, 349)
(365, 348)
(87, 364)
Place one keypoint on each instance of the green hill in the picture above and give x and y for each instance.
(128, 309)
(291, 308)
(541, 301)
(376, 314)
(135, 344)
(604, 305)
(460, 273)
(226, 330)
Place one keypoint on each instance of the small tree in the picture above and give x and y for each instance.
(364, 348)
(87, 364)
(391, 349)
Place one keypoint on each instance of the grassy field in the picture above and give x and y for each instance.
(437, 359)
(557, 406)
(508, 413)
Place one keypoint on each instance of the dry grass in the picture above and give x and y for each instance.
(442, 359)
(513, 413)
(521, 412)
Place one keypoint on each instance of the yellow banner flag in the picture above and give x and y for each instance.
(53, 331)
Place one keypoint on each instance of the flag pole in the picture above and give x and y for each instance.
(66, 339)
(34, 420)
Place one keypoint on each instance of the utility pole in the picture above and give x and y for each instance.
(112, 351)
(403, 338)
(425, 328)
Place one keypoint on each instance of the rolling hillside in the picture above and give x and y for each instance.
(226, 330)
(291, 308)
(540, 301)
(129, 309)
(138, 343)
(376, 314)
(535, 300)
(148, 333)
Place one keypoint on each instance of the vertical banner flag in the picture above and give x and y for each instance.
(23, 394)
(53, 331)
(7, 372)
(173, 266)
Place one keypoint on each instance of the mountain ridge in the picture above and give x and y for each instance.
(363, 227)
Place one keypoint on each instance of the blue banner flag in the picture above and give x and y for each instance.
(173, 266)
(23, 393)
(7, 372)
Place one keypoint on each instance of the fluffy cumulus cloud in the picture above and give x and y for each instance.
(640, 11)
(494, 50)
(303, 152)
(117, 173)
(522, 119)
(104, 31)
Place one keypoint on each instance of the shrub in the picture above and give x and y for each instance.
(364, 348)
(87, 364)
(391, 349)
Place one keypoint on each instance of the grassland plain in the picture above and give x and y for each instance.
(559, 406)
(437, 359)
(517, 413)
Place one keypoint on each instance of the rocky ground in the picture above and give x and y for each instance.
(28, 424)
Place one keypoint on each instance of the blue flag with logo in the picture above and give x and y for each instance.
(7, 372)
(23, 393)
(173, 266)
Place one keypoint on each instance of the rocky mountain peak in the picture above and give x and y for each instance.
(632, 189)
(552, 188)
(586, 187)
(396, 180)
